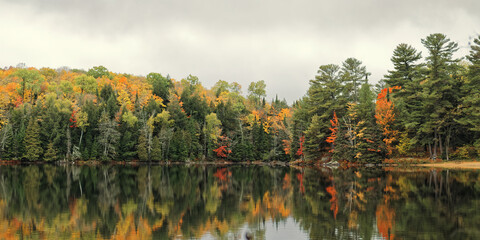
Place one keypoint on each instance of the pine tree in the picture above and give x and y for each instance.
(324, 98)
(156, 153)
(51, 153)
(353, 75)
(368, 144)
(315, 138)
(33, 149)
(142, 148)
(407, 74)
(440, 95)
(471, 89)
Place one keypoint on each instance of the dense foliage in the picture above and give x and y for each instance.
(428, 109)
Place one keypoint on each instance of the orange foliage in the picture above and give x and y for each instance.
(222, 174)
(333, 136)
(385, 221)
(286, 146)
(334, 200)
(286, 181)
(385, 116)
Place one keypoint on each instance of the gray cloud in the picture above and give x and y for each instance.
(281, 42)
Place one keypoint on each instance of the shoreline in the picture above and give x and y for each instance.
(453, 165)
(445, 165)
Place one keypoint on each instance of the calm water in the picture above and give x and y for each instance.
(211, 202)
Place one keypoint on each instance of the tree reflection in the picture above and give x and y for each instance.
(161, 202)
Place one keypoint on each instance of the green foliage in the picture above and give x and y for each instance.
(99, 114)
(30, 79)
(51, 153)
(88, 84)
(142, 148)
(315, 138)
(161, 85)
(256, 91)
(98, 71)
(353, 75)
(108, 136)
(156, 154)
(404, 144)
(33, 148)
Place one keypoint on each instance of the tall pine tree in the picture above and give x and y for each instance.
(33, 148)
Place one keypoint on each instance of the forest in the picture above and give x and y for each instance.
(427, 106)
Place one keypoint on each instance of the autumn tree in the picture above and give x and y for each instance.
(385, 117)
(30, 83)
(368, 135)
(212, 131)
(87, 84)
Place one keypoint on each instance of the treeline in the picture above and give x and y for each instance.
(425, 107)
(65, 114)
(428, 108)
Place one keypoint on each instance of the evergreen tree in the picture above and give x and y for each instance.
(51, 153)
(142, 148)
(33, 148)
(368, 136)
(156, 153)
(407, 74)
(315, 138)
(161, 85)
(440, 94)
(471, 88)
(353, 75)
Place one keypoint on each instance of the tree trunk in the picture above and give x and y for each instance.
(447, 142)
(69, 143)
(80, 142)
(435, 144)
(430, 150)
(440, 144)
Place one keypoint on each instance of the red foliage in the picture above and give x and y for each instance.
(300, 149)
(73, 120)
(223, 149)
(222, 174)
(300, 178)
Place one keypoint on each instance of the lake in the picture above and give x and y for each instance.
(232, 202)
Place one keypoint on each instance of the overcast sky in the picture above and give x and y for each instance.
(282, 42)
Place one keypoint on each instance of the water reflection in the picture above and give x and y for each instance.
(211, 202)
